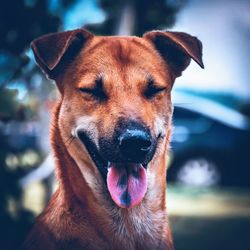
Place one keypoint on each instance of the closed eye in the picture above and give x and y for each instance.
(152, 90)
(97, 91)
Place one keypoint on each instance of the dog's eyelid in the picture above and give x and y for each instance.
(99, 81)
(151, 83)
(97, 91)
(150, 79)
(152, 90)
(86, 89)
(157, 87)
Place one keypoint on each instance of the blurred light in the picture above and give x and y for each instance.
(34, 197)
(83, 12)
(39, 174)
(31, 56)
(125, 26)
(180, 134)
(198, 172)
(20, 87)
(12, 161)
(36, 80)
(29, 158)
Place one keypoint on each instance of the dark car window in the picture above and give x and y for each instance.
(182, 113)
(191, 121)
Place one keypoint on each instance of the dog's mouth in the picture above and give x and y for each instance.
(99, 161)
(126, 181)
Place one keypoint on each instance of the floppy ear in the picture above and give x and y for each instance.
(176, 48)
(50, 50)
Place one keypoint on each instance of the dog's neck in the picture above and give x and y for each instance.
(131, 226)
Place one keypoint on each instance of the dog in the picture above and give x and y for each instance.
(110, 135)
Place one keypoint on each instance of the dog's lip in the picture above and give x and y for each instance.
(92, 149)
(125, 163)
(101, 163)
(125, 181)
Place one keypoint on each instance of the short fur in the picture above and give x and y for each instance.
(81, 213)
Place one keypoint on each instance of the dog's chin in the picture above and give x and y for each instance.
(126, 181)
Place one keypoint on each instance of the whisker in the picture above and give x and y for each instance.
(69, 141)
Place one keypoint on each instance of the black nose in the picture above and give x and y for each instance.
(134, 144)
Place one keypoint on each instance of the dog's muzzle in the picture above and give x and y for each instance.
(122, 160)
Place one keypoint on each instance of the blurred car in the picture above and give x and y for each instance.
(210, 144)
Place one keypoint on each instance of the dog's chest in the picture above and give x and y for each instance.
(140, 229)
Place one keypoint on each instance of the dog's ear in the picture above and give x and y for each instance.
(51, 49)
(176, 48)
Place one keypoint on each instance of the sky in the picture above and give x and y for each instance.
(85, 11)
(224, 29)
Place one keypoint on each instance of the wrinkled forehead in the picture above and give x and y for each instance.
(113, 56)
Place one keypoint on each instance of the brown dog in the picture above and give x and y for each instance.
(110, 134)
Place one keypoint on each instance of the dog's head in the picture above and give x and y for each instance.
(115, 100)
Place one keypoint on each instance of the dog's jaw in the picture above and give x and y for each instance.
(101, 164)
(145, 219)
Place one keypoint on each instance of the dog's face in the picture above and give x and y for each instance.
(116, 101)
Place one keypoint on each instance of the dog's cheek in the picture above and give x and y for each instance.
(89, 125)
(159, 126)
(65, 121)
(80, 154)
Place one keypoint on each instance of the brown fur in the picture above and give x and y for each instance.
(81, 214)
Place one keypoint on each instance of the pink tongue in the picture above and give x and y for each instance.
(127, 185)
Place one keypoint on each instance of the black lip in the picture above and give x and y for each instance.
(101, 163)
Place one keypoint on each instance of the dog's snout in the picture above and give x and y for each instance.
(134, 144)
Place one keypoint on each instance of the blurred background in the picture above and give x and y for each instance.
(209, 166)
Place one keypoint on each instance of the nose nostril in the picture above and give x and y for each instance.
(135, 145)
(143, 144)
(145, 148)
